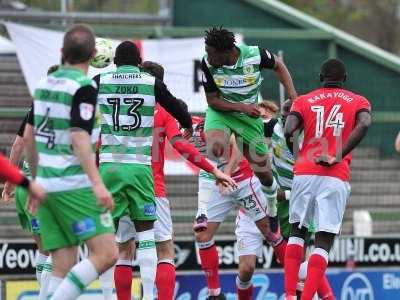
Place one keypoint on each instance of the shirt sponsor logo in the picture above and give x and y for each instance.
(84, 226)
(86, 111)
(227, 82)
(106, 220)
(248, 69)
(149, 210)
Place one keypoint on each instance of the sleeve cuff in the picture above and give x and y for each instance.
(25, 182)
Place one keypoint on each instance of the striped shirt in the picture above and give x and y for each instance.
(63, 100)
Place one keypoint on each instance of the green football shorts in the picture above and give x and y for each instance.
(72, 217)
(27, 220)
(249, 129)
(132, 188)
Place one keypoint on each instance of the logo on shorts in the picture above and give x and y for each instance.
(35, 224)
(149, 210)
(85, 226)
(106, 220)
(241, 244)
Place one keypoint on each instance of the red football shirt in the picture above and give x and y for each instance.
(329, 116)
(165, 127)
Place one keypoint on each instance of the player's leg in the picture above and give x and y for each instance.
(142, 207)
(217, 134)
(247, 264)
(46, 262)
(63, 261)
(218, 208)
(206, 187)
(251, 197)
(166, 275)
(331, 199)
(113, 176)
(82, 220)
(123, 273)
(27, 223)
(324, 289)
(209, 258)
(249, 246)
(106, 283)
(300, 214)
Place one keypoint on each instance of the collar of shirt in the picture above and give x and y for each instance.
(128, 69)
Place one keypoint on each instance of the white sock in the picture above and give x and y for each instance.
(45, 279)
(270, 193)
(54, 283)
(204, 196)
(147, 259)
(80, 276)
(40, 260)
(243, 285)
(106, 282)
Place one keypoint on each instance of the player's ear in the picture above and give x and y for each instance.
(321, 77)
(345, 78)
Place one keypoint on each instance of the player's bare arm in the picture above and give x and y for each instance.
(363, 122)
(285, 78)
(216, 102)
(30, 149)
(293, 124)
(15, 155)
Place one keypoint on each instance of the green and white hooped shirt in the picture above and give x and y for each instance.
(63, 100)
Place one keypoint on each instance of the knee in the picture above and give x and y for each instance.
(125, 250)
(110, 255)
(246, 270)
(165, 250)
(203, 236)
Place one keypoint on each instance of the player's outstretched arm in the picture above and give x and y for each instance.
(363, 122)
(30, 149)
(285, 78)
(292, 125)
(189, 152)
(15, 155)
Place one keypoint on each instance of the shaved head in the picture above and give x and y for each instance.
(79, 44)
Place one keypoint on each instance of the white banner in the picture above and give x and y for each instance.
(38, 49)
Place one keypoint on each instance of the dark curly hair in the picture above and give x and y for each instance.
(220, 38)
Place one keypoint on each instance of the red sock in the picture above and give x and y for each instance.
(209, 264)
(165, 281)
(324, 290)
(245, 294)
(280, 250)
(123, 281)
(317, 265)
(293, 258)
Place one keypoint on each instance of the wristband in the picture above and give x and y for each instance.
(287, 194)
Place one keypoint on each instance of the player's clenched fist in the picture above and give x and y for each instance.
(251, 110)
